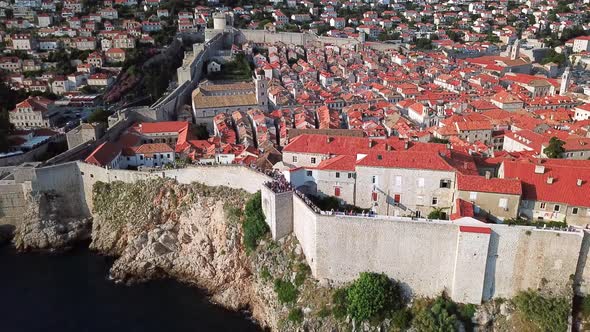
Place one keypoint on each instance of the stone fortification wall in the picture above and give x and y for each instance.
(262, 37)
(420, 255)
(237, 177)
(188, 76)
(12, 202)
(428, 257)
(524, 257)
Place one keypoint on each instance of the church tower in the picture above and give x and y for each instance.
(565, 81)
(261, 84)
(515, 50)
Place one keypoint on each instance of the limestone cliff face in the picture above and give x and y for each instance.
(160, 228)
(45, 225)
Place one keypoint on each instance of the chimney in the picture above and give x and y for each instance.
(488, 175)
(579, 182)
(550, 180)
(539, 169)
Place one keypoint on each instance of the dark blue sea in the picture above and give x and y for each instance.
(70, 292)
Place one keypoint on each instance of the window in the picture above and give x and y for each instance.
(575, 210)
(313, 160)
(503, 203)
(308, 173)
(294, 159)
(337, 191)
(421, 182)
(337, 174)
(542, 206)
(350, 175)
(434, 200)
(168, 155)
(445, 183)
(472, 196)
(140, 157)
(374, 179)
(556, 208)
(374, 196)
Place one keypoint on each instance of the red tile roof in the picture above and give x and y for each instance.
(407, 159)
(339, 163)
(493, 185)
(340, 145)
(104, 154)
(564, 187)
(160, 127)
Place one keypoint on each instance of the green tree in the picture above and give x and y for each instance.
(372, 296)
(100, 115)
(200, 131)
(254, 225)
(437, 214)
(555, 148)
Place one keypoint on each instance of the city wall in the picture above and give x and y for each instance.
(427, 257)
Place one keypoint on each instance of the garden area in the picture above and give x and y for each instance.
(239, 69)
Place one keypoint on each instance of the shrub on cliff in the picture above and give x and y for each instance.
(286, 291)
(254, 225)
(373, 296)
(434, 316)
(547, 313)
(296, 315)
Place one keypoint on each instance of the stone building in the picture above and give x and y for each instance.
(85, 132)
(34, 112)
(552, 189)
(210, 99)
(493, 198)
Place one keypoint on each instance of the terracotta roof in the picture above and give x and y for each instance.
(407, 159)
(104, 154)
(153, 148)
(339, 163)
(494, 185)
(564, 186)
(340, 145)
(160, 127)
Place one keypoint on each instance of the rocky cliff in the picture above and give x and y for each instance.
(193, 233)
(45, 226)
